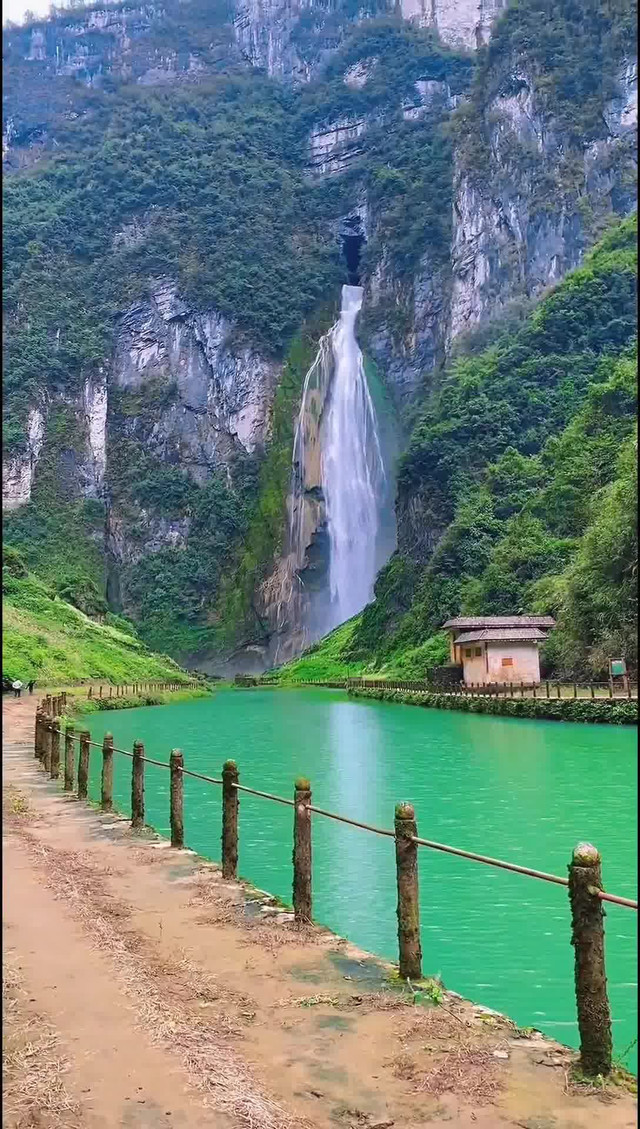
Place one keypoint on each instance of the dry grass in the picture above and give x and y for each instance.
(465, 1071)
(167, 998)
(15, 803)
(34, 1090)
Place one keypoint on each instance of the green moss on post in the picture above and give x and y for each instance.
(409, 949)
(69, 737)
(230, 807)
(137, 787)
(54, 759)
(40, 734)
(587, 938)
(302, 884)
(83, 764)
(176, 764)
(106, 794)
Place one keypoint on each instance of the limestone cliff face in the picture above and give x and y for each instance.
(290, 39)
(464, 24)
(214, 397)
(149, 44)
(18, 471)
(523, 221)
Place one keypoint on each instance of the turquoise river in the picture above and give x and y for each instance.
(525, 791)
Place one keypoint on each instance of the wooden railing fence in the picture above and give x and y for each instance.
(584, 882)
(538, 690)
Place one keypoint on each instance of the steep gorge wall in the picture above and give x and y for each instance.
(183, 385)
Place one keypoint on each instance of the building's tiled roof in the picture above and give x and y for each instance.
(501, 634)
(472, 622)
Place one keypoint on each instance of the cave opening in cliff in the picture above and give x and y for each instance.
(352, 249)
(352, 239)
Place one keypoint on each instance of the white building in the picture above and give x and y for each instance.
(498, 648)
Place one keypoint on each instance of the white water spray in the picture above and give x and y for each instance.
(351, 469)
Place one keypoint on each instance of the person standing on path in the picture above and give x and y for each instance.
(30, 685)
(17, 688)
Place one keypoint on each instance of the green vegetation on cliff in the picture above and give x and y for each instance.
(518, 490)
(55, 643)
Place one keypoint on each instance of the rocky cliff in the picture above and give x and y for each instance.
(455, 159)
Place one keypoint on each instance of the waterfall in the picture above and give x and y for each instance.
(337, 459)
(352, 470)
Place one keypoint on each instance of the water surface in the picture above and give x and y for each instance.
(521, 790)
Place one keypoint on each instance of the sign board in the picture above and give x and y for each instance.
(618, 668)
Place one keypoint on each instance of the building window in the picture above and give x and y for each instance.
(469, 652)
(478, 652)
(507, 662)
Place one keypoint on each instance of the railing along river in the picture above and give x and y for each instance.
(537, 690)
(584, 883)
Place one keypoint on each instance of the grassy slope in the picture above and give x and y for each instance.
(49, 640)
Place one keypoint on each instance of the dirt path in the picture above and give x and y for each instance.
(157, 995)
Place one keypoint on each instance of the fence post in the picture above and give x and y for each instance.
(106, 796)
(593, 693)
(83, 765)
(587, 938)
(137, 787)
(575, 689)
(409, 949)
(547, 685)
(46, 747)
(302, 899)
(558, 689)
(55, 750)
(68, 758)
(230, 805)
(37, 740)
(176, 764)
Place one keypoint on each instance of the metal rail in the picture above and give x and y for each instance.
(445, 848)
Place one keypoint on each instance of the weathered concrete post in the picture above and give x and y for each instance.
(69, 736)
(83, 765)
(106, 792)
(55, 749)
(63, 698)
(587, 938)
(230, 805)
(137, 787)
(176, 764)
(410, 951)
(302, 898)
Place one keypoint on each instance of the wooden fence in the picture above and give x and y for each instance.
(55, 705)
(537, 690)
(584, 883)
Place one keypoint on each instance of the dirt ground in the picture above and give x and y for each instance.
(140, 991)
